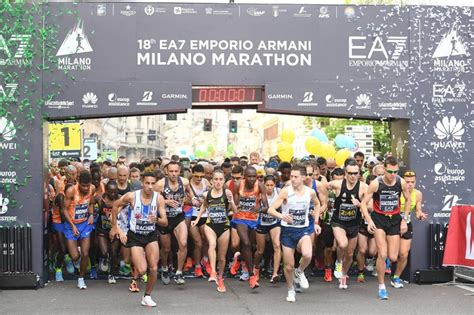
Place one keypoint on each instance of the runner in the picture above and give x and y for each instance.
(385, 221)
(405, 241)
(174, 189)
(294, 201)
(366, 244)
(216, 205)
(122, 180)
(249, 193)
(346, 218)
(79, 215)
(284, 168)
(147, 207)
(269, 225)
(108, 247)
(199, 185)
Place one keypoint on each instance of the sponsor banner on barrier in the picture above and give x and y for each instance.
(99, 99)
(459, 249)
(147, 48)
(361, 100)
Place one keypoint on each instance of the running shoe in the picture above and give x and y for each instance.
(188, 264)
(69, 264)
(338, 269)
(77, 264)
(235, 264)
(212, 277)
(133, 287)
(103, 264)
(145, 278)
(198, 272)
(93, 273)
(220, 285)
(59, 275)
(383, 294)
(244, 276)
(396, 282)
(207, 265)
(388, 269)
(125, 270)
(179, 279)
(253, 282)
(301, 279)
(361, 277)
(165, 277)
(370, 264)
(374, 272)
(111, 279)
(81, 284)
(275, 279)
(291, 296)
(343, 283)
(147, 301)
(328, 275)
(256, 272)
(297, 287)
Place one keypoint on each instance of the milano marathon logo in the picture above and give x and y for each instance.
(75, 43)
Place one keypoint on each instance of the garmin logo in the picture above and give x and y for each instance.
(280, 96)
(174, 96)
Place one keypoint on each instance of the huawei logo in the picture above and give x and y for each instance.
(448, 128)
(89, 98)
(363, 100)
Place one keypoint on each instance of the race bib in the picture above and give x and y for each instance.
(216, 215)
(144, 227)
(347, 212)
(173, 212)
(388, 202)
(81, 212)
(299, 216)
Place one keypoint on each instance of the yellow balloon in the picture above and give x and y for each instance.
(285, 151)
(287, 136)
(341, 156)
(312, 144)
(331, 152)
(327, 151)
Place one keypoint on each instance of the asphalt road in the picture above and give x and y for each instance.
(200, 297)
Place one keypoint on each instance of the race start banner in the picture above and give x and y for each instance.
(70, 61)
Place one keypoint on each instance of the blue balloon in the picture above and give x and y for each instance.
(183, 151)
(320, 135)
(340, 141)
(350, 142)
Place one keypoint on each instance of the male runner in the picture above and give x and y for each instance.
(79, 215)
(294, 201)
(385, 221)
(248, 194)
(405, 241)
(147, 208)
(174, 189)
(346, 218)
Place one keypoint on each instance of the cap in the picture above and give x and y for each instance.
(372, 160)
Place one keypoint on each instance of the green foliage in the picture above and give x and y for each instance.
(334, 126)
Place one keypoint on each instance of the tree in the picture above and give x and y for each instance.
(334, 126)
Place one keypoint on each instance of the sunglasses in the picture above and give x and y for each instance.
(353, 173)
(409, 174)
(197, 176)
(309, 174)
(236, 177)
(392, 171)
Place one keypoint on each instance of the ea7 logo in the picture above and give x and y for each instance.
(14, 57)
(449, 91)
(358, 47)
(449, 202)
(8, 91)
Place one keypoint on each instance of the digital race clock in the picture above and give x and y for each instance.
(227, 95)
